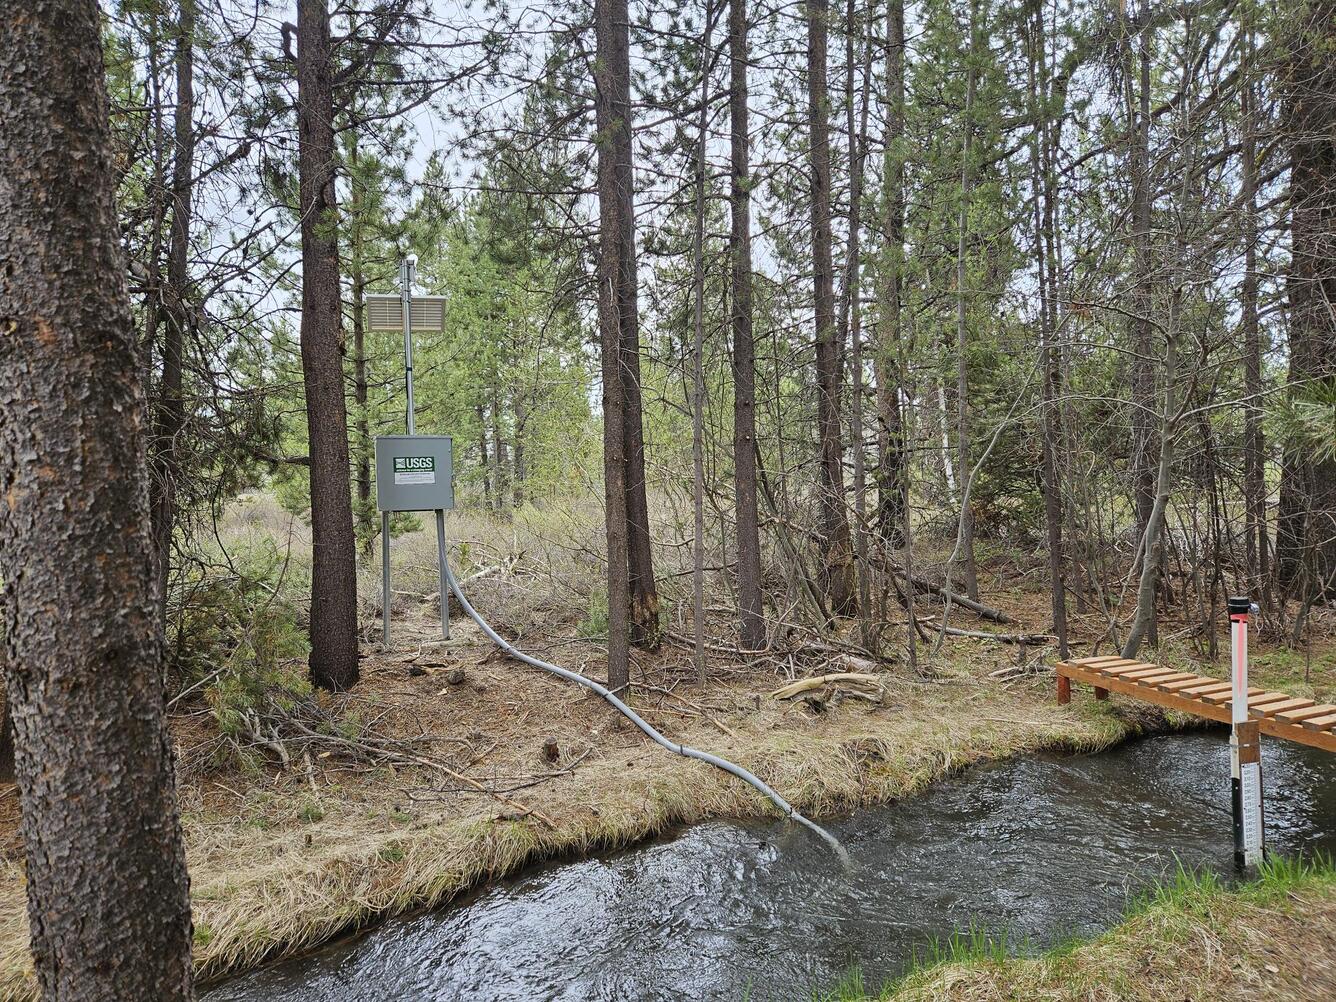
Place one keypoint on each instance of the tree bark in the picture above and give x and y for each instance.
(893, 466)
(500, 460)
(521, 469)
(1143, 365)
(1044, 217)
(856, 126)
(108, 895)
(611, 68)
(838, 566)
(1254, 456)
(484, 456)
(365, 509)
(613, 74)
(750, 607)
(963, 461)
(333, 560)
(1143, 618)
(1306, 529)
(169, 418)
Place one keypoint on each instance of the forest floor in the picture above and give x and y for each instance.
(495, 765)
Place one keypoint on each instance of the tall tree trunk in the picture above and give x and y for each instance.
(1144, 616)
(1254, 456)
(108, 895)
(744, 345)
(521, 467)
(170, 416)
(893, 465)
(1143, 365)
(698, 357)
(838, 569)
(856, 126)
(484, 456)
(1306, 527)
(613, 74)
(333, 551)
(612, 111)
(963, 462)
(1041, 172)
(499, 457)
(365, 509)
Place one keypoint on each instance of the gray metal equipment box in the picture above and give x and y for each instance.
(414, 473)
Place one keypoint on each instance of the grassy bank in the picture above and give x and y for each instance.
(1191, 938)
(290, 844)
(283, 859)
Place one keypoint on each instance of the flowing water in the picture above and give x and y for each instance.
(1037, 849)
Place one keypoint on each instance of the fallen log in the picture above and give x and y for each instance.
(1028, 639)
(854, 683)
(965, 602)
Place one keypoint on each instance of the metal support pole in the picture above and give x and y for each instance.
(1245, 747)
(407, 271)
(445, 581)
(385, 577)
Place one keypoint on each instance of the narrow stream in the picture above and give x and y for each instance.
(1038, 849)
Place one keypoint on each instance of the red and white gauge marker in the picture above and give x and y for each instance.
(1245, 749)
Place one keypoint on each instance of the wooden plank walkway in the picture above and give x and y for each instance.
(1279, 715)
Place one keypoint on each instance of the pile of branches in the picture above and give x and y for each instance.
(294, 729)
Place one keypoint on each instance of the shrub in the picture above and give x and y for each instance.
(238, 636)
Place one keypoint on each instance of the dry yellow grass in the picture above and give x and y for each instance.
(281, 861)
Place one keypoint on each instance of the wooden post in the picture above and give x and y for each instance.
(1101, 693)
(1064, 690)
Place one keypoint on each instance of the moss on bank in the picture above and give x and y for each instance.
(1189, 938)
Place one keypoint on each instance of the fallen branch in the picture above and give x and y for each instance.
(983, 611)
(369, 748)
(854, 683)
(1028, 639)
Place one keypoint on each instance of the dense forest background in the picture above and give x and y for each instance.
(889, 351)
(834, 297)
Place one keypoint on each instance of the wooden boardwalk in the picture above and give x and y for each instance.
(1278, 715)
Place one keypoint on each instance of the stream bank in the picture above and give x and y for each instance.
(1030, 852)
(1194, 938)
(284, 859)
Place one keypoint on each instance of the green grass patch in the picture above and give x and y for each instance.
(1182, 896)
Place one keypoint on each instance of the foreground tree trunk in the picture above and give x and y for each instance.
(108, 897)
(838, 569)
(1306, 529)
(333, 556)
(616, 191)
(744, 346)
(1143, 618)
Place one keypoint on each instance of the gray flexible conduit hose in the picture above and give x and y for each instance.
(735, 770)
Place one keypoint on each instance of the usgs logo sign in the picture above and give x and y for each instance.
(415, 469)
(405, 464)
